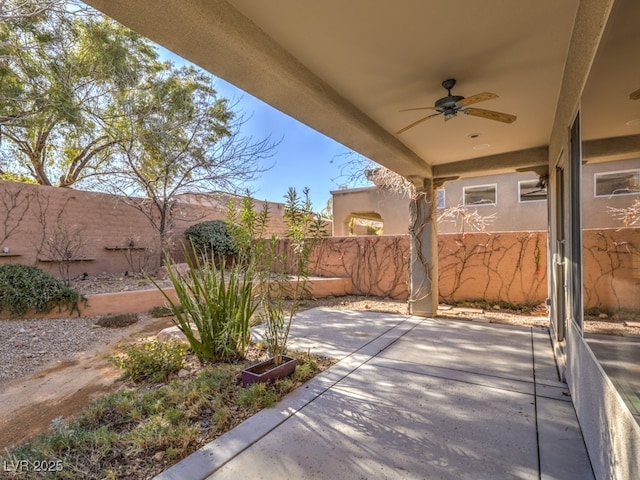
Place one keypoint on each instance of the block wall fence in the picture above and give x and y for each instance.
(501, 266)
(102, 233)
(113, 236)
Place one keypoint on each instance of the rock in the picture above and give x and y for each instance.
(603, 316)
(175, 334)
(183, 373)
(158, 456)
(171, 334)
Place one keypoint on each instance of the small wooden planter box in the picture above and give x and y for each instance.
(268, 371)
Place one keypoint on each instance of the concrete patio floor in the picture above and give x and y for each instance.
(411, 398)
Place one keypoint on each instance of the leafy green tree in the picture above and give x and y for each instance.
(60, 72)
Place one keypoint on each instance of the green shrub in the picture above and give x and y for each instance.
(151, 360)
(211, 238)
(118, 321)
(26, 287)
(257, 396)
(159, 312)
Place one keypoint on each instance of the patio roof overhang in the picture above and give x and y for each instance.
(346, 69)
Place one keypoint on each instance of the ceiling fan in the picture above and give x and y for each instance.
(635, 95)
(450, 105)
(540, 188)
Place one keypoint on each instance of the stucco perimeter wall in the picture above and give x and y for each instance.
(611, 269)
(34, 219)
(503, 266)
(510, 266)
(376, 265)
(97, 229)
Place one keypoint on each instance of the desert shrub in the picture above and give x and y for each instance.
(211, 237)
(159, 312)
(118, 321)
(26, 287)
(151, 360)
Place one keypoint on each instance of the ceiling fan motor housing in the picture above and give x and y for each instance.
(448, 102)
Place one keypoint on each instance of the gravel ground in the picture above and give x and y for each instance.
(32, 344)
(110, 283)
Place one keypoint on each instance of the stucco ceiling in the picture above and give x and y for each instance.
(347, 67)
(385, 56)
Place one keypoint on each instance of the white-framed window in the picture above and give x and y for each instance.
(531, 191)
(480, 195)
(624, 182)
(440, 198)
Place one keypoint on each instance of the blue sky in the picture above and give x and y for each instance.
(304, 158)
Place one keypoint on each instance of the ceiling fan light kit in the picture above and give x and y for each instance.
(450, 105)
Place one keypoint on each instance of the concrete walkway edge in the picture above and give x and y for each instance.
(208, 459)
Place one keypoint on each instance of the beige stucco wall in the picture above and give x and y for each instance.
(509, 267)
(377, 265)
(31, 215)
(509, 214)
(392, 209)
(500, 267)
(596, 213)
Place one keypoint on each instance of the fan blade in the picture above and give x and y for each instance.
(635, 95)
(480, 97)
(491, 115)
(417, 108)
(411, 125)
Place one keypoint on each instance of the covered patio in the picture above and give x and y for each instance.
(541, 87)
(410, 398)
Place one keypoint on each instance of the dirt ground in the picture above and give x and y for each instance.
(62, 389)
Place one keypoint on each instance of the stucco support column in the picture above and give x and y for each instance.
(423, 266)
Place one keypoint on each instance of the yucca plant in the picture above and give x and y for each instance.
(214, 306)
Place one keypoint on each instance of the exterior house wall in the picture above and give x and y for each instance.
(392, 210)
(596, 213)
(508, 215)
(611, 433)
